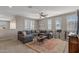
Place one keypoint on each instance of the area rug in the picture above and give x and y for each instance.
(49, 46)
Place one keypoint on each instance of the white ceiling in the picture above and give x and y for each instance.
(35, 10)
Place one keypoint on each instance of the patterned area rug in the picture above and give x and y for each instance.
(49, 46)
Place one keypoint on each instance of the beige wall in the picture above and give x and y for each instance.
(36, 25)
(53, 24)
(19, 23)
(43, 24)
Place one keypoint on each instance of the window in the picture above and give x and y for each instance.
(49, 24)
(72, 23)
(29, 24)
(58, 23)
(13, 24)
(4, 24)
(32, 25)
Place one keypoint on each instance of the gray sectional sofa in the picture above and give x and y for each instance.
(27, 36)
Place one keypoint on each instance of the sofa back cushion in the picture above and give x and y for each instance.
(28, 32)
(24, 33)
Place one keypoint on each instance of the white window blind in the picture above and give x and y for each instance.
(58, 23)
(13, 24)
(72, 23)
(49, 24)
(29, 24)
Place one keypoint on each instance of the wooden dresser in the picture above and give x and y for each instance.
(73, 44)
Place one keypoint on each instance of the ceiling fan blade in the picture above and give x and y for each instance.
(42, 14)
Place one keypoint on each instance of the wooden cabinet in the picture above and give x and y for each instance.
(73, 44)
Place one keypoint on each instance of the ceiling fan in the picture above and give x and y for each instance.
(42, 15)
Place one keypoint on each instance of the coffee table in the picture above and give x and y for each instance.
(41, 39)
